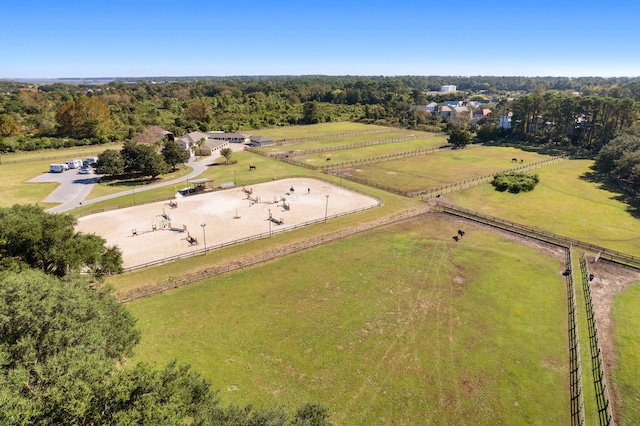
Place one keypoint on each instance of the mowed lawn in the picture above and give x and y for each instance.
(399, 325)
(339, 141)
(312, 130)
(320, 159)
(627, 337)
(563, 203)
(442, 168)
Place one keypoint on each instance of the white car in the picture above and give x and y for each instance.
(84, 171)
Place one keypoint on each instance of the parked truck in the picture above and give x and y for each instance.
(57, 168)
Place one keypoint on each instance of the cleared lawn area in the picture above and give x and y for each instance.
(320, 159)
(62, 155)
(627, 336)
(14, 175)
(441, 168)
(563, 203)
(296, 132)
(16, 190)
(403, 326)
(345, 140)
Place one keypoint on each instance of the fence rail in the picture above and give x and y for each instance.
(468, 183)
(575, 366)
(264, 257)
(538, 234)
(603, 402)
(286, 142)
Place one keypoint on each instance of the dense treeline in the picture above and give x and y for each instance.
(584, 122)
(60, 114)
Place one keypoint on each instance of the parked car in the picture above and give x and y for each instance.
(84, 171)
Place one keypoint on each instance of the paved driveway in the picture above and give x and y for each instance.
(73, 186)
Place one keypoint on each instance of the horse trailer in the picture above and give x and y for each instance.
(74, 164)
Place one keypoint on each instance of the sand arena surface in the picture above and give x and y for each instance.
(229, 215)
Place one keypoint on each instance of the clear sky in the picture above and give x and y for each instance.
(144, 38)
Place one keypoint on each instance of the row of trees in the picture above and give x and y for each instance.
(583, 122)
(65, 340)
(64, 115)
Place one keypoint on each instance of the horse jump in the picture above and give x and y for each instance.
(252, 167)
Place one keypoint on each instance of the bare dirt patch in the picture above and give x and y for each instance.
(228, 216)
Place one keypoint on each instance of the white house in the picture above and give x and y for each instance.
(189, 142)
(433, 106)
(505, 121)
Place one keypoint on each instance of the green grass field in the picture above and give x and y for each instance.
(439, 331)
(563, 203)
(320, 159)
(299, 132)
(346, 140)
(385, 344)
(627, 336)
(442, 168)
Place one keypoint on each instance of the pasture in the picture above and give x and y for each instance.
(403, 323)
(320, 159)
(313, 130)
(441, 168)
(340, 141)
(627, 337)
(564, 203)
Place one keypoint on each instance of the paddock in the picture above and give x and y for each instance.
(229, 215)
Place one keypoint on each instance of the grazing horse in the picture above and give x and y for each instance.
(328, 159)
(456, 238)
(514, 160)
(521, 160)
(461, 233)
(252, 167)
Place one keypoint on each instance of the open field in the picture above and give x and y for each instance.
(563, 203)
(312, 130)
(403, 323)
(625, 377)
(347, 140)
(441, 168)
(150, 232)
(320, 159)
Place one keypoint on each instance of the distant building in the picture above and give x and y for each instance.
(258, 141)
(429, 108)
(505, 121)
(447, 88)
(230, 137)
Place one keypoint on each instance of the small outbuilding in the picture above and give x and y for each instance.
(260, 141)
(197, 186)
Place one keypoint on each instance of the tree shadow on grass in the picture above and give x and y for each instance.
(607, 184)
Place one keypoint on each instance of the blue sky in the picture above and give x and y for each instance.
(142, 38)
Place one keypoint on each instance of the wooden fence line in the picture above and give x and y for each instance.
(264, 257)
(603, 402)
(468, 183)
(575, 366)
(445, 189)
(286, 142)
(363, 161)
(538, 234)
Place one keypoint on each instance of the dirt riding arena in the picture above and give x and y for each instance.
(151, 232)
